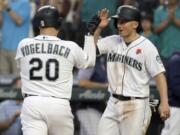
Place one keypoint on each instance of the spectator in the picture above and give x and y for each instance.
(167, 25)
(9, 113)
(147, 29)
(89, 114)
(0, 28)
(173, 78)
(15, 26)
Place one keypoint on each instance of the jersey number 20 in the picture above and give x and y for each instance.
(47, 69)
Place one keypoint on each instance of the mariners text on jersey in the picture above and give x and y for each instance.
(46, 49)
(115, 57)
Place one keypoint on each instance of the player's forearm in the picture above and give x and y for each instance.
(90, 49)
(162, 87)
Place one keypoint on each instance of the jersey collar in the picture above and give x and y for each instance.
(46, 37)
(134, 43)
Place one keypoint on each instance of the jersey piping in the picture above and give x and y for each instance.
(124, 71)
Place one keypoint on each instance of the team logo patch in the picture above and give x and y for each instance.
(158, 59)
(138, 51)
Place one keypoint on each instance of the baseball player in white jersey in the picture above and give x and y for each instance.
(131, 62)
(46, 63)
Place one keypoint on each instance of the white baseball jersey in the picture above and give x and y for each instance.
(131, 67)
(46, 64)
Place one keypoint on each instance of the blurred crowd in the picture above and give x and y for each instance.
(160, 23)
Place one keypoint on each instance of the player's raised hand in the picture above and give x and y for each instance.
(104, 16)
(93, 24)
(100, 20)
(164, 111)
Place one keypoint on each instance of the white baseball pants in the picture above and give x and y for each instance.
(46, 116)
(130, 117)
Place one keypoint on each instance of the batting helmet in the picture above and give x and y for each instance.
(48, 16)
(127, 13)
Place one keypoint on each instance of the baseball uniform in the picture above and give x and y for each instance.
(46, 64)
(129, 70)
(171, 125)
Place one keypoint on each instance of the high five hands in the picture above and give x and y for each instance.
(104, 17)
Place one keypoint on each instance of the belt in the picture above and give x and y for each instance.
(126, 98)
(29, 95)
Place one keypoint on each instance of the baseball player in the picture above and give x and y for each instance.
(132, 60)
(171, 125)
(46, 63)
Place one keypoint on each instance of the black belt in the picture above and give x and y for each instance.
(29, 95)
(126, 98)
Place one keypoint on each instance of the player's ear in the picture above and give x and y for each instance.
(135, 24)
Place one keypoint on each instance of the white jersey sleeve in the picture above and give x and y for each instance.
(106, 44)
(85, 58)
(153, 61)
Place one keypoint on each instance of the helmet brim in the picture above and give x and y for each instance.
(122, 18)
(115, 17)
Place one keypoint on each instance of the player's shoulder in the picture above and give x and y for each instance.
(147, 44)
(70, 44)
(25, 41)
(112, 38)
(67, 42)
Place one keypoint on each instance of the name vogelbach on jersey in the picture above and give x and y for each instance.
(46, 49)
(115, 57)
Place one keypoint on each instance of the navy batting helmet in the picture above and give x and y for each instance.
(48, 16)
(127, 13)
